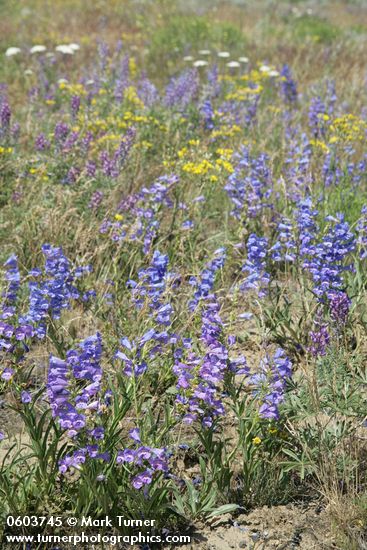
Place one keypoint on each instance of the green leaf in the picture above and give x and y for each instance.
(225, 509)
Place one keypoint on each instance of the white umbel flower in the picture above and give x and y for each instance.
(64, 49)
(188, 58)
(204, 52)
(13, 50)
(265, 69)
(233, 64)
(243, 59)
(200, 63)
(223, 54)
(38, 48)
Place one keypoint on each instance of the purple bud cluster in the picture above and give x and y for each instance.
(75, 105)
(5, 117)
(214, 84)
(42, 143)
(339, 307)
(61, 132)
(320, 339)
